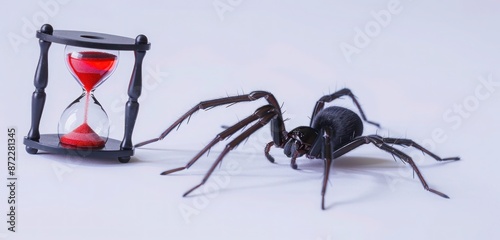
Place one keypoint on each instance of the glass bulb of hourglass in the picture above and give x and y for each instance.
(84, 123)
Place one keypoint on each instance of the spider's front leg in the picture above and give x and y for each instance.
(263, 115)
(277, 123)
(224, 135)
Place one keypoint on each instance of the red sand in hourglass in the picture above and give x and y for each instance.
(90, 68)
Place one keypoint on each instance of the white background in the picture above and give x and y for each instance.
(413, 73)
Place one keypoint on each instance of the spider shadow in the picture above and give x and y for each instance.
(358, 162)
(375, 168)
(312, 169)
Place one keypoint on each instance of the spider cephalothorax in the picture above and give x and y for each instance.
(300, 141)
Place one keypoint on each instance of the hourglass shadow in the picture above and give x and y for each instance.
(88, 161)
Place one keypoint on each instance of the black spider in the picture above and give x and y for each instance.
(332, 132)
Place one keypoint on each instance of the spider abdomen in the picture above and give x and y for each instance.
(346, 124)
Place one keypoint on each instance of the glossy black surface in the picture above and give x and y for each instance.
(50, 143)
(93, 40)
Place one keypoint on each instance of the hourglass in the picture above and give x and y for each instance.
(83, 127)
(85, 123)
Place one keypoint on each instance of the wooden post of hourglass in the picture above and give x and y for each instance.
(40, 82)
(134, 92)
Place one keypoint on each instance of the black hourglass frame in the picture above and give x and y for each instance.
(122, 150)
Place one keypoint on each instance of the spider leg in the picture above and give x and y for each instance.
(320, 104)
(327, 156)
(263, 120)
(293, 162)
(266, 152)
(225, 134)
(378, 141)
(295, 155)
(278, 126)
(411, 143)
